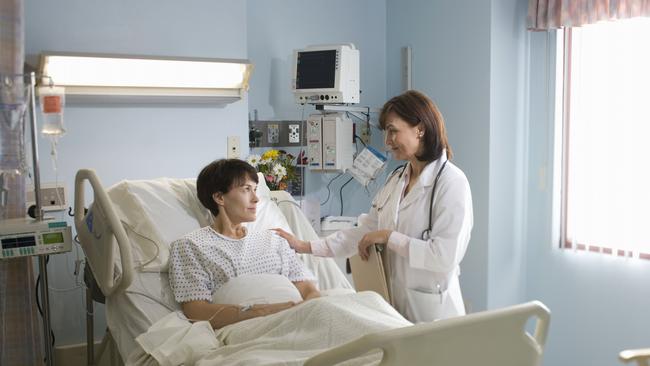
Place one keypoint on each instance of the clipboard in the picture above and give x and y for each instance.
(371, 275)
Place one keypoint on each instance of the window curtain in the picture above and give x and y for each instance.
(551, 14)
(20, 325)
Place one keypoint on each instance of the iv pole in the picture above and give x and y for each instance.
(42, 262)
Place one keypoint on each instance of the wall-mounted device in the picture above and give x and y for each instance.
(327, 74)
(25, 237)
(275, 133)
(329, 141)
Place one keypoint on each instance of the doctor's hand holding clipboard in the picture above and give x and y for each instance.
(423, 215)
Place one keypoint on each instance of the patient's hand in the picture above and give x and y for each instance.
(300, 246)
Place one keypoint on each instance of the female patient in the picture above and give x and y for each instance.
(204, 260)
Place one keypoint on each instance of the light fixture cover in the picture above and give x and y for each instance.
(145, 78)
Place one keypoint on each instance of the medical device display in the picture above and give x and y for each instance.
(27, 237)
(329, 141)
(326, 74)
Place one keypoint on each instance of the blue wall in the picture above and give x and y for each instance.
(508, 75)
(135, 141)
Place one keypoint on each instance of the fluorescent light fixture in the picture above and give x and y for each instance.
(143, 78)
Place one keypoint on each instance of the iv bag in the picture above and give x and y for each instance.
(13, 104)
(52, 100)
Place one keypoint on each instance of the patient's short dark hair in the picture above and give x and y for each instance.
(221, 176)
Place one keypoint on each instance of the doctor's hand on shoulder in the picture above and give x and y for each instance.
(379, 237)
(300, 246)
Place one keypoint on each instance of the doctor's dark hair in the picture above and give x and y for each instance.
(221, 176)
(415, 107)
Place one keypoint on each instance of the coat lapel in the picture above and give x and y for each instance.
(424, 183)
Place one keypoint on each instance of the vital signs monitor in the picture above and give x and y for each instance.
(327, 74)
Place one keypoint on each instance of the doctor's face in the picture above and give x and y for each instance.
(240, 203)
(401, 138)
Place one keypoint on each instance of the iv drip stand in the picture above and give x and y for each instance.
(42, 261)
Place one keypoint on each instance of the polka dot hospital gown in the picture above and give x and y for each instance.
(204, 260)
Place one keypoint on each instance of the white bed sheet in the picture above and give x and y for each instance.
(149, 299)
(286, 338)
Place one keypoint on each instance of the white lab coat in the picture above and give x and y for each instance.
(424, 285)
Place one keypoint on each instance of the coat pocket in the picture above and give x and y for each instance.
(425, 306)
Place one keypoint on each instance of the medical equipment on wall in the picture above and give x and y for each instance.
(327, 74)
(24, 237)
(367, 165)
(329, 141)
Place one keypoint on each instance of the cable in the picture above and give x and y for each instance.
(357, 137)
(141, 265)
(209, 319)
(287, 201)
(341, 194)
(38, 303)
(328, 189)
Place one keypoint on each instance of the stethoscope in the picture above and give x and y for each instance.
(426, 234)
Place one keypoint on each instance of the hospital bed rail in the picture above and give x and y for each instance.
(490, 338)
(104, 270)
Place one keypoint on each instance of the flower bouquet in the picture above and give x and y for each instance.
(277, 166)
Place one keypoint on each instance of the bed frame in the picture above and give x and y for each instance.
(491, 338)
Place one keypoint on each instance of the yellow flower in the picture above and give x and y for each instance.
(271, 154)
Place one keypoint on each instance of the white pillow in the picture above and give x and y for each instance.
(257, 289)
(154, 213)
(158, 211)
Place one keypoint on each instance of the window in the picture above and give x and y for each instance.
(606, 132)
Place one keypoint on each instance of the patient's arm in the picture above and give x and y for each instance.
(307, 289)
(221, 315)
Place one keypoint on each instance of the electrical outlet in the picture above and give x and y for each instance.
(233, 147)
(294, 134)
(273, 133)
(53, 197)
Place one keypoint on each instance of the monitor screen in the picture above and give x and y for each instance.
(316, 69)
(53, 238)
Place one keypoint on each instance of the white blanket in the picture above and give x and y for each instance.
(286, 338)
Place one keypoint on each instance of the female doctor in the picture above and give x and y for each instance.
(423, 215)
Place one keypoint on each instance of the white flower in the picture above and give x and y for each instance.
(279, 171)
(264, 161)
(253, 160)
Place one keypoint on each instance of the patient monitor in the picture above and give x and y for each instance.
(327, 74)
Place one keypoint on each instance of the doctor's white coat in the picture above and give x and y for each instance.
(423, 275)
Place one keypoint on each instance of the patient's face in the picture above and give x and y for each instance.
(240, 203)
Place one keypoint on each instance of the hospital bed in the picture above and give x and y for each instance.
(641, 356)
(125, 234)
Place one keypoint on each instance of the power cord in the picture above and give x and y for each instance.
(38, 303)
(328, 189)
(341, 193)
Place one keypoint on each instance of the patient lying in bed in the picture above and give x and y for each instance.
(204, 261)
